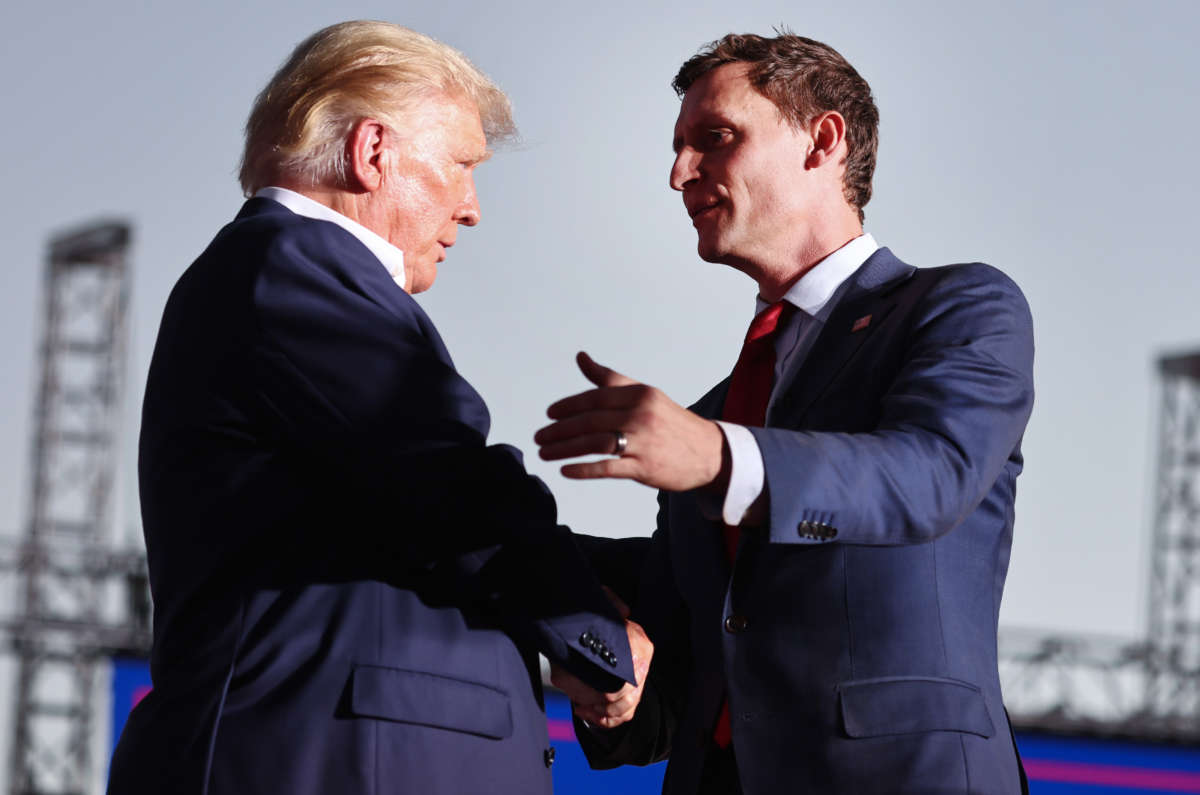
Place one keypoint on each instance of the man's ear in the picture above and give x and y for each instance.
(828, 131)
(365, 154)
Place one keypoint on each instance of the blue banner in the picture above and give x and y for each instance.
(1056, 765)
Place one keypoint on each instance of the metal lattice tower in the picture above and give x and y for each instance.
(79, 598)
(1173, 681)
(1150, 688)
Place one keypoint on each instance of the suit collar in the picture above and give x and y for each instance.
(360, 269)
(256, 206)
(820, 284)
(859, 313)
(881, 270)
(364, 268)
(388, 255)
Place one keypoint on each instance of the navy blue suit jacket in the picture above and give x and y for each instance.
(350, 586)
(860, 651)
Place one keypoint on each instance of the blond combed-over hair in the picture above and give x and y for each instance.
(342, 74)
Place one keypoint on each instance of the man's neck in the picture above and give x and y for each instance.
(775, 281)
(348, 204)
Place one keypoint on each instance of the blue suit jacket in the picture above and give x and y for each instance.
(350, 587)
(861, 656)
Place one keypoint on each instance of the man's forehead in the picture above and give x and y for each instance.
(451, 118)
(714, 93)
(719, 85)
(471, 136)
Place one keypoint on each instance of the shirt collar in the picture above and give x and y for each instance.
(813, 290)
(391, 257)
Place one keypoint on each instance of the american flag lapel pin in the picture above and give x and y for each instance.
(861, 323)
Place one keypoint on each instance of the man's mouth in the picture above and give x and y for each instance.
(702, 209)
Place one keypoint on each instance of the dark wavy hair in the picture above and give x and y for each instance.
(803, 78)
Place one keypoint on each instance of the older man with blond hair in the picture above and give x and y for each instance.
(350, 585)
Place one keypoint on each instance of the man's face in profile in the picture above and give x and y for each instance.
(740, 167)
(430, 185)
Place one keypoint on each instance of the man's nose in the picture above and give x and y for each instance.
(467, 213)
(686, 168)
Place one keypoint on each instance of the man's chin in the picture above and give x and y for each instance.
(422, 278)
(707, 251)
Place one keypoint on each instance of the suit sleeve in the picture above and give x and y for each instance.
(647, 738)
(951, 420)
(365, 398)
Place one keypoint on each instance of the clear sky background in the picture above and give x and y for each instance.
(1052, 140)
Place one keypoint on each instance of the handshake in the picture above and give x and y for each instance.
(609, 710)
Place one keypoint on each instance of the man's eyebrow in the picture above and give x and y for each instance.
(677, 144)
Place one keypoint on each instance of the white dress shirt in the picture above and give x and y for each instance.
(388, 255)
(810, 295)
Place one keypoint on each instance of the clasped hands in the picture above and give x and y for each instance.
(609, 710)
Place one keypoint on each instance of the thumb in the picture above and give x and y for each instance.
(600, 375)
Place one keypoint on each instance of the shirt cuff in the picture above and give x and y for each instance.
(745, 473)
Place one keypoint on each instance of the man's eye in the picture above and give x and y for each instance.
(716, 137)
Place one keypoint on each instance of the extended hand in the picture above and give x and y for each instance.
(609, 710)
(667, 446)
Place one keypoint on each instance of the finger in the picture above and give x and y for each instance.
(592, 716)
(608, 468)
(603, 709)
(565, 681)
(615, 397)
(600, 375)
(575, 689)
(623, 701)
(603, 420)
(611, 709)
(603, 721)
(614, 702)
(617, 602)
(586, 700)
(641, 669)
(592, 444)
(608, 721)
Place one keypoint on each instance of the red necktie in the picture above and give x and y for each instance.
(746, 404)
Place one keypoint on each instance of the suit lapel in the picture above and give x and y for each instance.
(713, 403)
(855, 318)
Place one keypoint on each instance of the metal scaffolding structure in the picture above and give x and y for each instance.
(79, 597)
(1173, 681)
(1072, 683)
(1147, 689)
